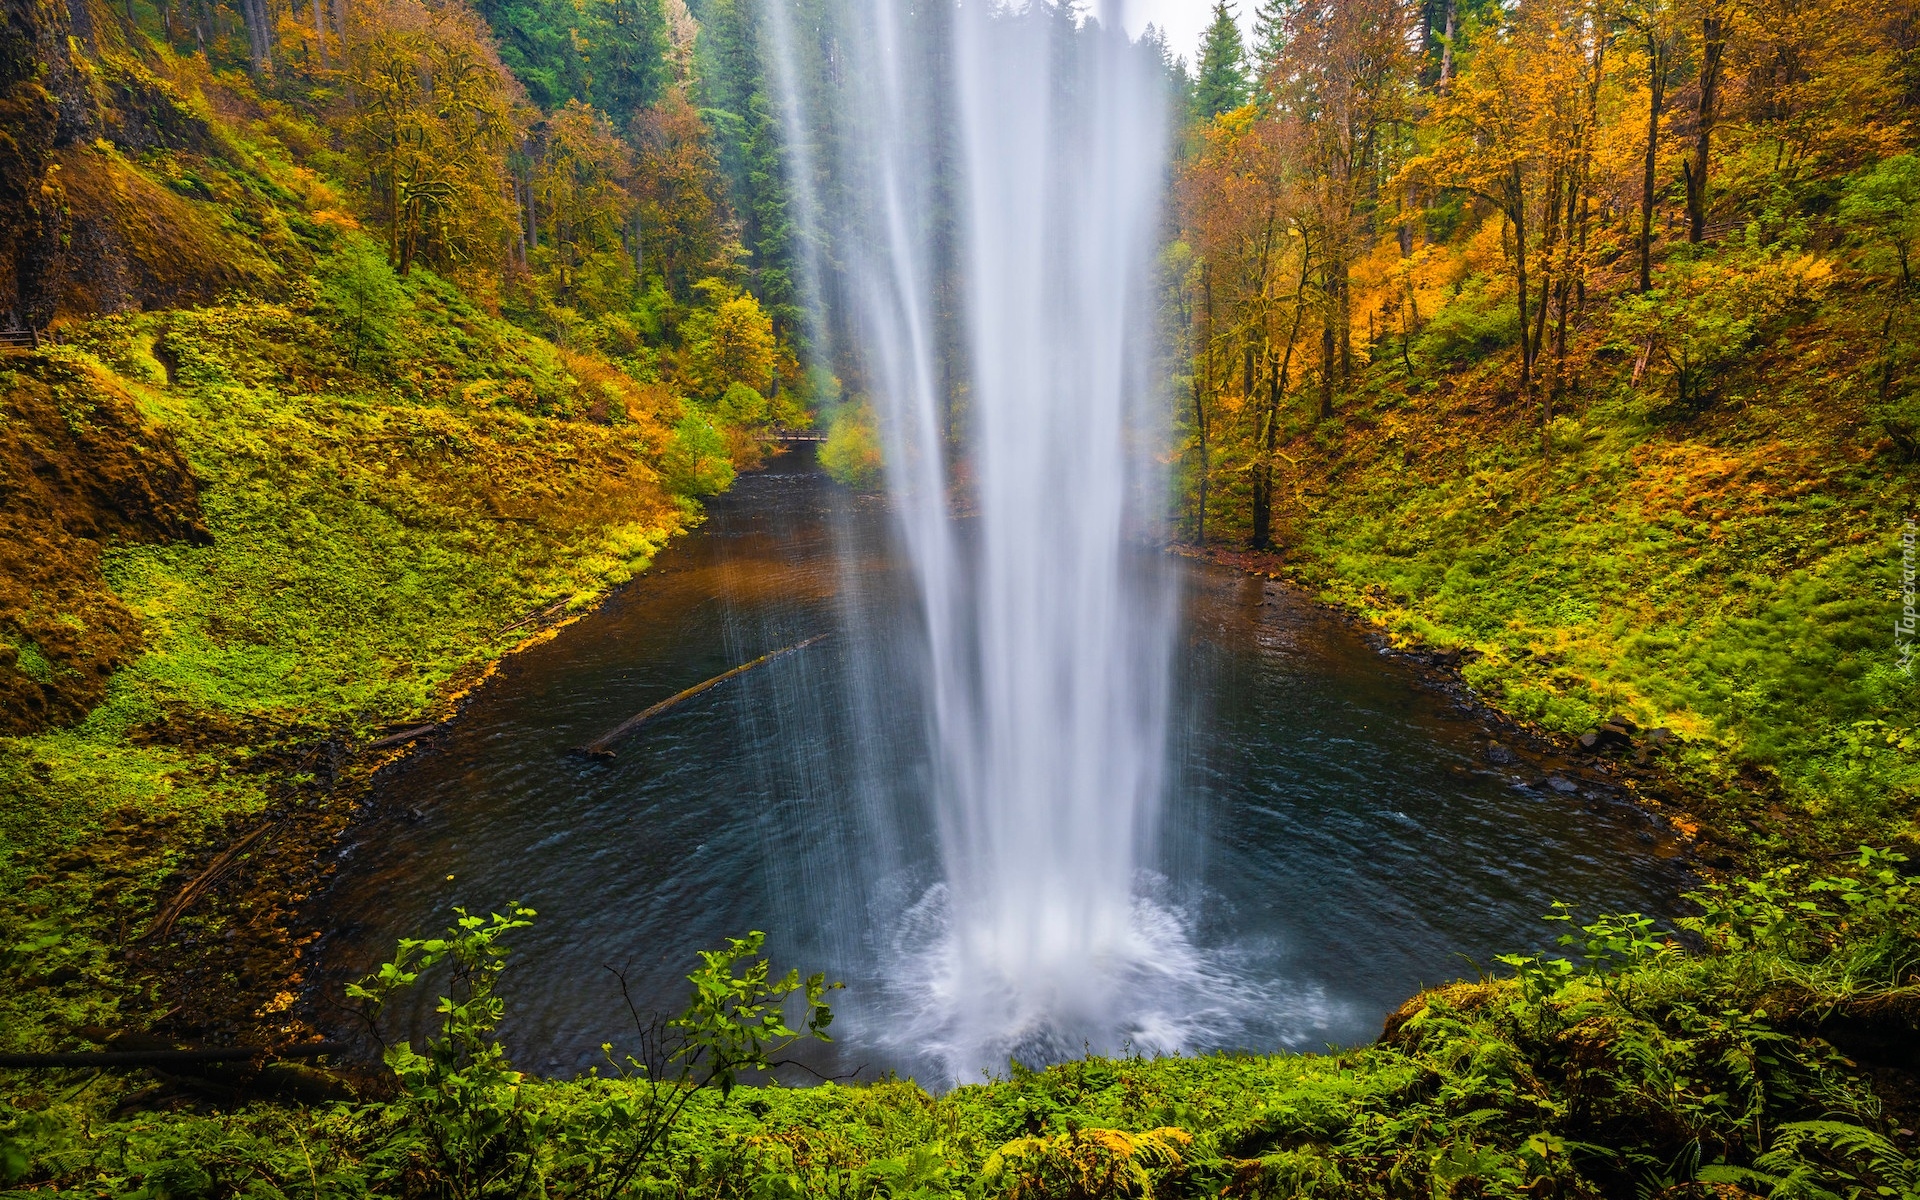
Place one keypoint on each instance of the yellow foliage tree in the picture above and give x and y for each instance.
(580, 192)
(1517, 128)
(432, 113)
(729, 342)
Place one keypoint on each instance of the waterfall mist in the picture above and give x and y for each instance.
(980, 195)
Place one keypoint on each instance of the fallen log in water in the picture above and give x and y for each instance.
(602, 747)
(164, 1058)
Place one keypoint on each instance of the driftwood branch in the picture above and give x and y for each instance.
(602, 747)
(163, 921)
(538, 614)
(163, 1058)
(405, 735)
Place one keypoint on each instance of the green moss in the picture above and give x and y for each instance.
(1731, 579)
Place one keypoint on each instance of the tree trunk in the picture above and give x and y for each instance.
(1263, 478)
(259, 36)
(1446, 51)
(1657, 96)
(1517, 213)
(1327, 352)
(1200, 407)
(320, 37)
(1346, 325)
(1713, 46)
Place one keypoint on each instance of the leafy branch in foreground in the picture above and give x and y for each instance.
(464, 1119)
(462, 1111)
(734, 1025)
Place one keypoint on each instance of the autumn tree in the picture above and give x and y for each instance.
(1656, 26)
(728, 341)
(1243, 214)
(580, 190)
(1712, 26)
(1517, 129)
(1345, 78)
(431, 116)
(685, 229)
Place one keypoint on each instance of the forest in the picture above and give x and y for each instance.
(354, 348)
(1579, 341)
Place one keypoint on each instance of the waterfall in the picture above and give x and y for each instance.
(980, 193)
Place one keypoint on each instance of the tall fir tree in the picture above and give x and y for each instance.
(1269, 35)
(607, 53)
(1223, 85)
(736, 102)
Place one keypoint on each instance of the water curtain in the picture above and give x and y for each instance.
(981, 193)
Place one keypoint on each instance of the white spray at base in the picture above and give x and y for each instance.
(993, 182)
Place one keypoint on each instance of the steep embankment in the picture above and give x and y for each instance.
(285, 503)
(1728, 569)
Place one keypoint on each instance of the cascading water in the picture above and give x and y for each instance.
(982, 193)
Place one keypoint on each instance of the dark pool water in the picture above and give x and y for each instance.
(1333, 840)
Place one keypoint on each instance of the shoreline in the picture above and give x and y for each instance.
(1533, 758)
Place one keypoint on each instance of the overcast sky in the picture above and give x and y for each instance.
(1181, 20)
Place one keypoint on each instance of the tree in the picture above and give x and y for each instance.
(730, 342)
(1657, 24)
(1705, 314)
(432, 113)
(1222, 85)
(1241, 210)
(1517, 129)
(737, 104)
(685, 229)
(1346, 81)
(581, 200)
(1714, 25)
(364, 296)
(607, 53)
(1269, 35)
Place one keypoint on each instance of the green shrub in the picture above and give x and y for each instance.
(364, 298)
(1478, 321)
(697, 463)
(1702, 315)
(742, 407)
(851, 453)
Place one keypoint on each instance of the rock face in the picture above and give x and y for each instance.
(79, 470)
(37, 89)
(82, 231)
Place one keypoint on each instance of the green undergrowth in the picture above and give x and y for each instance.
(1732, 574)
(386, 519)
(1758, 1051)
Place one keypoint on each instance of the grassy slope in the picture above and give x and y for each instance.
(1731, 574)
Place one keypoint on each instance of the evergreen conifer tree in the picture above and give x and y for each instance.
(1223, 85)
(1269, 35)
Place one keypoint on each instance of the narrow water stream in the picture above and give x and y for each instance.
(1332, 841)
